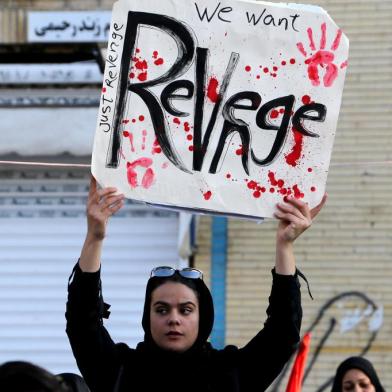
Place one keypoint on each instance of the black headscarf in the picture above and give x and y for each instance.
(356, 363)
(206, 308)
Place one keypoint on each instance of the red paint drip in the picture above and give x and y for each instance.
(207, 195)
(296, 152)
(212, 93)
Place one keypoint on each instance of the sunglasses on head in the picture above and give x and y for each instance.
(165, 272)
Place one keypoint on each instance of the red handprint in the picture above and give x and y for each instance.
(322, 58)
(138, 165)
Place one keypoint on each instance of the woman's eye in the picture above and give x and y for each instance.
(161, 310)
(186, 311)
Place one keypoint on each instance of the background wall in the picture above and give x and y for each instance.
(349, 247)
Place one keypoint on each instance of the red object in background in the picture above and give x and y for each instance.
(297, 372)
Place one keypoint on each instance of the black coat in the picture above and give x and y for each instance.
(110, 367)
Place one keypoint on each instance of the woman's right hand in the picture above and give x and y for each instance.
(101, 204)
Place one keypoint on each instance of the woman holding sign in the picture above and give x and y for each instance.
(178, 318)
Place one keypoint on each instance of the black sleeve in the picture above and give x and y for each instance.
(92, 346)
(264, 357)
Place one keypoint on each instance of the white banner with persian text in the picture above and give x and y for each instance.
(220, 107)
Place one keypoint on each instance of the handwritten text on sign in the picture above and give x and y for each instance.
(229, 108)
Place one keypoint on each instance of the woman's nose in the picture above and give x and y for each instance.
(174, 318)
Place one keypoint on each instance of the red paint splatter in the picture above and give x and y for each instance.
(292, 61)
(275, 68)
(274, 114)
(228, 175)
(133, 120)
(155, 54)
(186, 126)
(176, 120)
(296, 152)
(156, 148)
(272, 179)
(125, 133)
(125, 121)
(344, 64)
(297, 193)
(212, 93)
(256, 194)
(190, 148)
(313, 189)
(142, 76)
(104, 89)
(131, 75)
(258, 77)
(265, 70)
(272, 190)
(158, 61)
(141, 118)
(189, 137)
(283, 63)
(207, 195)
(306, 99)
(137, 50)
(248, 68)
(141, 64)
(239, 151)
(310, 169)
(252, 184)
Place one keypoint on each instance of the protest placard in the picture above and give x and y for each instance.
(221, 107)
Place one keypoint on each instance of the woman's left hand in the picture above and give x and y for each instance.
(295, 217)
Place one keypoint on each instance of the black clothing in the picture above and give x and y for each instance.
(109, 367)
(356, 363)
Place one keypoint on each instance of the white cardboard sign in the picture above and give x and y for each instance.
(222, 107)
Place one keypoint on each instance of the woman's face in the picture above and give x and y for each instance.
(356, 380)
(174, 316)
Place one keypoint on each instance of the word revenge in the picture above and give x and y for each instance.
(160, 107)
